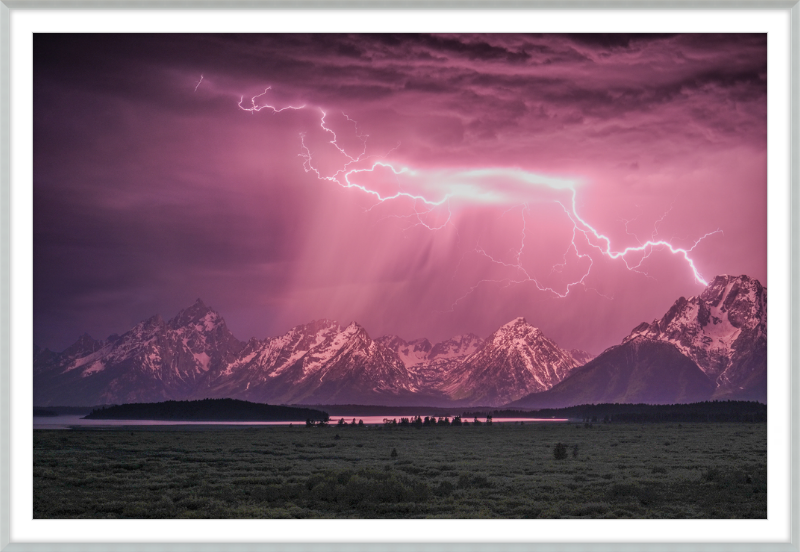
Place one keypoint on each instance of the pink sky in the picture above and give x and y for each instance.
(151, 190)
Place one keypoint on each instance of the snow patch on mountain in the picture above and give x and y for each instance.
(96, 366)
(78, 362)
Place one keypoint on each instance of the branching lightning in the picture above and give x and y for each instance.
(254, 108)
(476, 185)
(646, 248)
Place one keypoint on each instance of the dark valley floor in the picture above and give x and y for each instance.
(613, 470)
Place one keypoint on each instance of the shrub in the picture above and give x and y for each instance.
(575, 451)
(560, 451)
(445, 488)
(466, 481)
(394, 453)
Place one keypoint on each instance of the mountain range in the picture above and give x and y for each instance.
(709, 346)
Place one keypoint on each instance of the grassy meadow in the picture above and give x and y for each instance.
(701, 470)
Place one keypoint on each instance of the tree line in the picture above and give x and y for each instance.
(707, 411)
(415, 421)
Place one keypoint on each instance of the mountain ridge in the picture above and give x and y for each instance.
(193, 355)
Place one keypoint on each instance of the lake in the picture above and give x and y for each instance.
(68, 421)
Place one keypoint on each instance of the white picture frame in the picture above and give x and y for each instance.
(20, 18)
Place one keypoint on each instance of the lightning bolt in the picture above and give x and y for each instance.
(255, 108)
(587, 229)
(198, 83)
(479, 185)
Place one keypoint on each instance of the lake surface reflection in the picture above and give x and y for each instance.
(69, 421)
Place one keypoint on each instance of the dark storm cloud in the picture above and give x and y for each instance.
(611, 41)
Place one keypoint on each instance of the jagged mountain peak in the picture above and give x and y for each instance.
(83, 346)
(516, 329)
(518, 321)
(356, 333)
(315, 328)
(354, 327)
(199, 316)
(728, 303)
(719, 286)
(151, 324)
(723, 330)
(515, 360)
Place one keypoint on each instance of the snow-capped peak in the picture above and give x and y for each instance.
(517, 329)
(725, 323)
(515, 360)
(518, 321)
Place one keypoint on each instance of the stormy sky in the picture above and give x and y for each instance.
(423, 186)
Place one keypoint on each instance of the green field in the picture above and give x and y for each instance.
(499, 471)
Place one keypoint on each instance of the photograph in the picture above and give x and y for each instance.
(400, 276)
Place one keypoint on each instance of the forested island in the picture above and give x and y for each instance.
(207, 410)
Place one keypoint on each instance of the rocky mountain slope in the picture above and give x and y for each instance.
(638, 371)
(155, 360)
(316, 363)
(429, 364)
(724, 331)
(514, 361)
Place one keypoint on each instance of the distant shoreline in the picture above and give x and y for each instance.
(217, 411)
